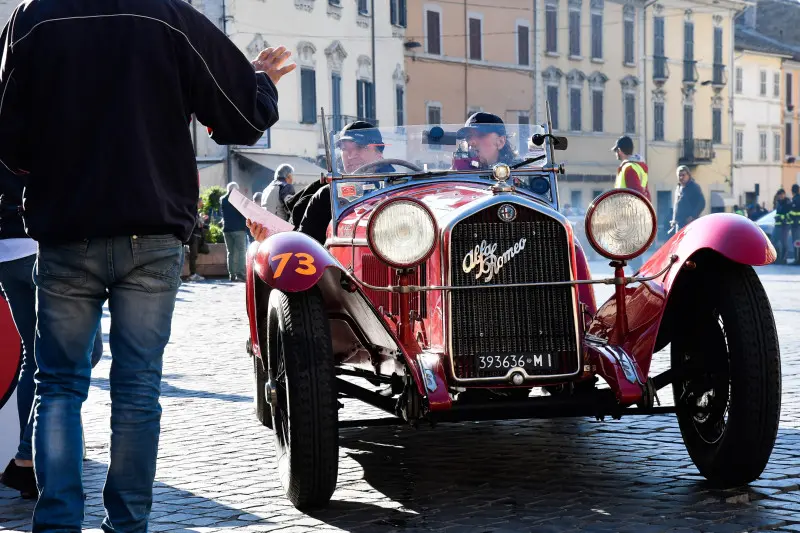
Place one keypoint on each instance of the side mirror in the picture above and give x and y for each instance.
(559, 143)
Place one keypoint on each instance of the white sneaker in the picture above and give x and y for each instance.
(196, 277)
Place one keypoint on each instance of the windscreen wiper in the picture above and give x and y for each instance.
(528, 161)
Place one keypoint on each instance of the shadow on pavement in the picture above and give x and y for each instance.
(550, 475)
(178, 392)
(181, 509)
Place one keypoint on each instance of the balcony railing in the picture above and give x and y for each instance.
(720, 76)
(337, 122)
(690, 74)
(660, 69)
(696, 151)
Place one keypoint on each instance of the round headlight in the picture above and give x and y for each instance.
(402, 232)
(501, 171)
(621, 224)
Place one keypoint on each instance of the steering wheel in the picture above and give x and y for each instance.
(380, 162)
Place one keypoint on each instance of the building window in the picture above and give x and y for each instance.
(523, 46)
(597, 29)
(575, 109)
(551, 26)
(433, 32)
(575, 28)
(776, 85)
(363, 7)
(788, 139)
(717, 46)
(789, 101)
(365, 96)
(659, 50)
(629, 100)
(629, 18)
(763, 86)
(398, 13)
(776, 146)
(433, 112)
(336, 101)
(475, 38)
(762, 146)
(716, 126)
(688, 52)
(597, 110)
(576, 197)
(308, 95)
(524, 132)
(688, 121)
(739, 81)
(552, 99)
(658, 121)
(739, 154)
(400, 105)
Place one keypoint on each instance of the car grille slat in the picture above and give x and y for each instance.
(530, 320)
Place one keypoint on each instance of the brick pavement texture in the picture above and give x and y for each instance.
(215, 466)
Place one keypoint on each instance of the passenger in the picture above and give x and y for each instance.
(360, 143)
(487, 137)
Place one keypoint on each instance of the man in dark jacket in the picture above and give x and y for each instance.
(689, 202)
(794, 215)
(111, 205)
(234, 229)
(782, 231)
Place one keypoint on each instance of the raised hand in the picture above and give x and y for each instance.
(258, 231)
(270, 61)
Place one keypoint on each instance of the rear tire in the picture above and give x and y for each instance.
(728, 386)
(306, 415)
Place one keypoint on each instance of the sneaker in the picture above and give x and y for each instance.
(196, 277)
(22, 479)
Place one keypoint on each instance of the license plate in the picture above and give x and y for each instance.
(532, 363)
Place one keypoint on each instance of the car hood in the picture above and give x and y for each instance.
(444, 200)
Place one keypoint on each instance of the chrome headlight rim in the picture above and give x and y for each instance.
(376, 215)
(593, 209)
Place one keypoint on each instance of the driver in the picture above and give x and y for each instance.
(486, 136)
(359, 143)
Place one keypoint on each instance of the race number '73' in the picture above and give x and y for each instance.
(305, 263)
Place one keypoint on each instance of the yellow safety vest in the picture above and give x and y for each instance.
(620, 183)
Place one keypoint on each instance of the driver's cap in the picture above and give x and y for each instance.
(362, 133)
(482, 122)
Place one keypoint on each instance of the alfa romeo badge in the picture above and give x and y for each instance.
(507, 213)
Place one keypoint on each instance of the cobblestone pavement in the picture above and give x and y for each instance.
(215, 469)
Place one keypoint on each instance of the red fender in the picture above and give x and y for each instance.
(732, 236)
(292, 261)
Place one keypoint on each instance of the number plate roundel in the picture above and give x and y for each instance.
(507, 212)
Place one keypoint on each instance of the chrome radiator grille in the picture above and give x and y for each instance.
(532, 321)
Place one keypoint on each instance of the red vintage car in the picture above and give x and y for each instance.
(450, 288)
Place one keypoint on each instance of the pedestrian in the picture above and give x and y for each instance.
(111, 205)
(689, 199)
(632, 171)
(195, 243)
(257, 198)
(739, 211)
(234, 230)
(794, 214)
(17, 261)
(279, 191)
(782, 230)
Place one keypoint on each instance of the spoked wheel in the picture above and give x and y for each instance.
(728, 387)
(302, 396)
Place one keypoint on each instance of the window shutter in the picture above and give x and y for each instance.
(434, 46)
(717, 46)
(688, 122)
(597, 36)
(402, 12)
(393, 12)
(658, 30)
(716, 126)
(475, 39)
(360, 99)
(629, 36)
(688, 45)
(308, 90)
(789, 100)
(575, 33)
(552, 99)
(522, 45)
(597, 111)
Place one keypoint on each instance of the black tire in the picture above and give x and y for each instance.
(728, 386)
(263, 411)
(305, 419)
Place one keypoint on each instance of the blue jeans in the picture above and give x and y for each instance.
(139, 276)
(236, 244)
(16, 281)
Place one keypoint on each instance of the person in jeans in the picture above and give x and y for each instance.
(17, 260)
(111, 205)
(234, 230)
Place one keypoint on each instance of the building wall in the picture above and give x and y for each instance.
(496, 83)
(663, 156)
(791, 120)
(755, 114)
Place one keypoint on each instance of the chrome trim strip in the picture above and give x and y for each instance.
(446, 234)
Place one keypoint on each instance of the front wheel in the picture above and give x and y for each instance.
(727, 362)
(302, 394)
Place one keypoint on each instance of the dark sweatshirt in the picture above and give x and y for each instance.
(11, 186)
(98, 96)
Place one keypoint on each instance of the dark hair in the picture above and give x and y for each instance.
(507, 153)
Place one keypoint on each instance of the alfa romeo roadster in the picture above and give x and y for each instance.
(450, 288)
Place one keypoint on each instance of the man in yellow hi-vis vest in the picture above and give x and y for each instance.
(632, 171)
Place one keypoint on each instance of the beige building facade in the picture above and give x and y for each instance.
(791, 126)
